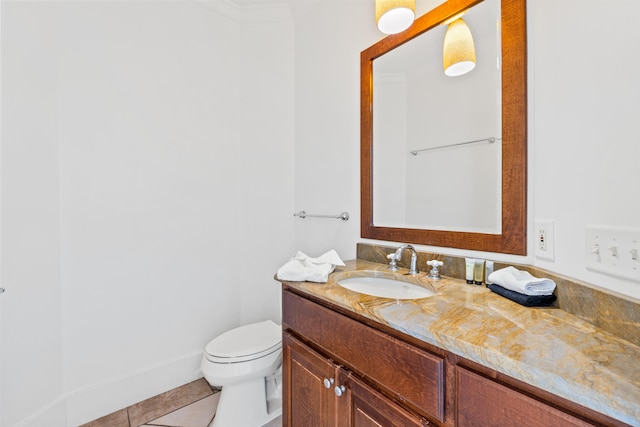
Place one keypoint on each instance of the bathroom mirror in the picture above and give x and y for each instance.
(404, 130)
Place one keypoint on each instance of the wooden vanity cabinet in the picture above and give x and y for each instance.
(318, 392)
(391, 382)
(374, 362)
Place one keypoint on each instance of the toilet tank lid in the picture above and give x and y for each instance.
(246, 340)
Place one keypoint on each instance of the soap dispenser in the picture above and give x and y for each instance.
(434, 273)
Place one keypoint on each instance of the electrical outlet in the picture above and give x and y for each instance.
(544, 239)
(541, 238)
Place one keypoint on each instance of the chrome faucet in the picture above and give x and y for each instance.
(413, 269)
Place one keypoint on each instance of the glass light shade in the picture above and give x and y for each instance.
(395, 16)
(458, 52)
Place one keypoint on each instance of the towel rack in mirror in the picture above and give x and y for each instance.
(490, 140)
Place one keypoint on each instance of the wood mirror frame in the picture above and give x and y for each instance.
(512, 239)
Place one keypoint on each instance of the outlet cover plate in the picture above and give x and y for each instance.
(544, 239)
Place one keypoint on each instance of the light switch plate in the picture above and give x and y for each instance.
(613, 251)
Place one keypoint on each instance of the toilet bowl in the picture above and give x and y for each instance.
(247, 363)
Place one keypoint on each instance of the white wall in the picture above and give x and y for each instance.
(32, 348)
(147, 153)
(266, 157)
(583, 118)
(329, 36)
(583, 145)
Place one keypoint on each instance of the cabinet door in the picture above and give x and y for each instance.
(483, 402)
(369, 408)
(407, 373)
(307, 401)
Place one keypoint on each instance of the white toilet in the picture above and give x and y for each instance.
(247, 363)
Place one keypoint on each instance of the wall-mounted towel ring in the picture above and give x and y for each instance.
(343, 216)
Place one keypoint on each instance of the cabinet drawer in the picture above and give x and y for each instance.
(368, 408)
(411, 375)
(483, 402)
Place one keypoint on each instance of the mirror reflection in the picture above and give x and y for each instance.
(502, 230)
(437, 139)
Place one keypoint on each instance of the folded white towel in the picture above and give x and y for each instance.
(522, 282)
(303, 268)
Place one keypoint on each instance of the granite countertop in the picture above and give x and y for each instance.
(545, 347)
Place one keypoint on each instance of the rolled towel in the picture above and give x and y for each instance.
(303, 268)
(522, 282)
(526, 300)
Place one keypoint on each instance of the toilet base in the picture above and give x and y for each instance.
(245, 405)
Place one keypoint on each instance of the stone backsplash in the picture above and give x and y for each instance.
(617, 314)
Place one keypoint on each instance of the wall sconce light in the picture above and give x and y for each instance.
(395, 16)
(458, 52)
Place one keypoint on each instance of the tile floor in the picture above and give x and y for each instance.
(191, 405)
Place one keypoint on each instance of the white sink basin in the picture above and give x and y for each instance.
(384, 287)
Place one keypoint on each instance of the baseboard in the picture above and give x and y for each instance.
(52, 415)
(105, 398)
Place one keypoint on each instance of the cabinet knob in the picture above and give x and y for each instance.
(339, 390)
(328, 382)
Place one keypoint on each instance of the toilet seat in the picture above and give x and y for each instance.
(245, 343)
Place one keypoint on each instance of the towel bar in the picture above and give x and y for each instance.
(343, 216)
(490, 140)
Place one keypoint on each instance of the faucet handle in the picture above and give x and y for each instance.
(434, 273)
(392, 261)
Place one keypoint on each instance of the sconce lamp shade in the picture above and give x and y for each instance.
(395, 16)
(458, 52)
